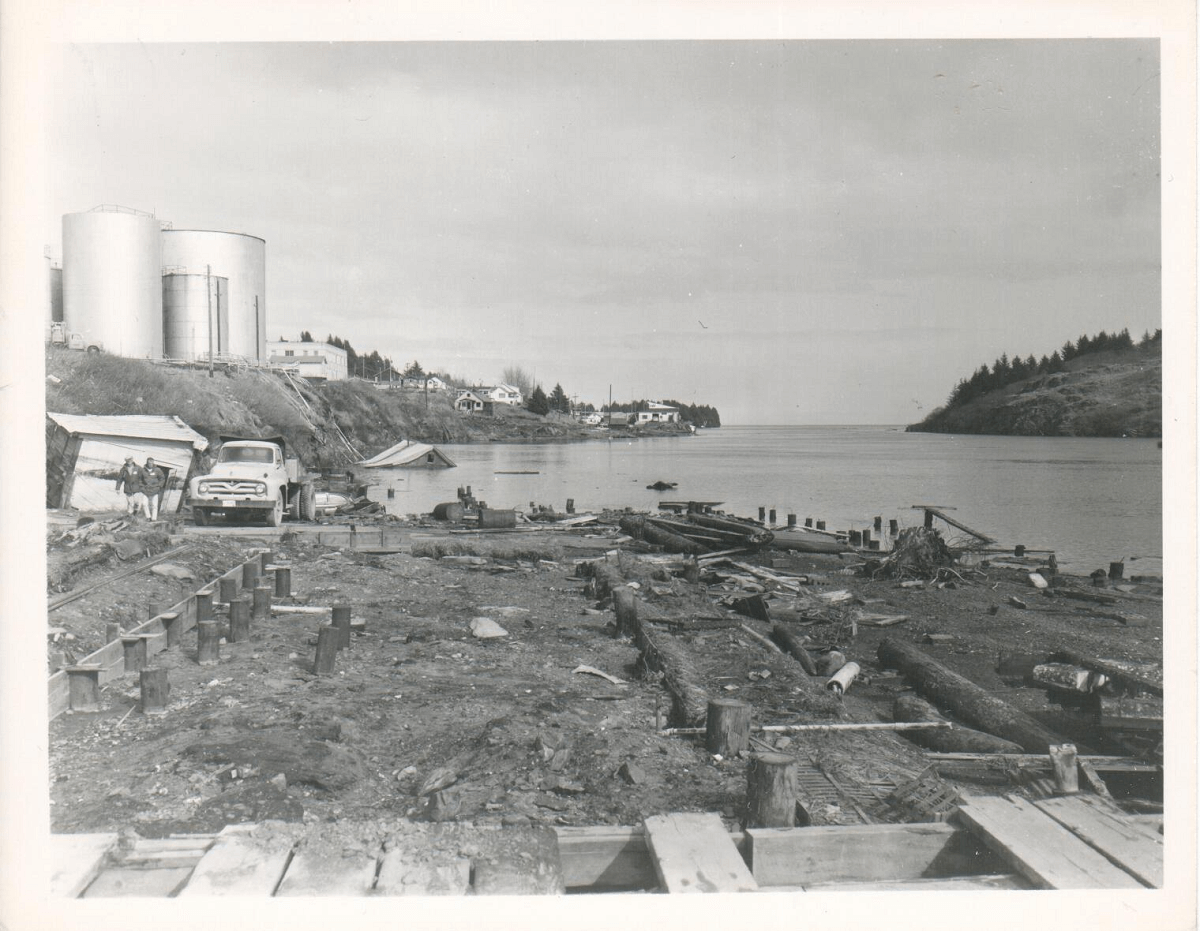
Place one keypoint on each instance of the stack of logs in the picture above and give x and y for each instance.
(696, 534)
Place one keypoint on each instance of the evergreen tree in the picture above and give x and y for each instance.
(559, 400)
(538, 403)
(305, 336)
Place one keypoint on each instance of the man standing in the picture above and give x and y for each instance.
(154, 483)
(129, 480)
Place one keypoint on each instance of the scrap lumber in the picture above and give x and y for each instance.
(692, 852)
(1039, 848)
(966, 700)
(1067, 677)
(1103, 826)
(1124, 674)
(640, 528)
(689, 700)
(76, 859)
(1131, 713)
(938, 512)
(951, 739)
(238, 863)
(138, 882)
(323, 873)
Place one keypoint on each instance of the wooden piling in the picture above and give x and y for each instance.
(135, 653)
(1066, 772)
(820, 525)
(341, 622)
(772, 517)
(879, 525)
(155, 690)
(762, 514)
(204, 606)
(83, 683)
(327, 648)
(265, 560)
(808, 522)
(893, 527)
(856, 538)
(173, 623)
(239, 620)
(1019, 551)
(570, 505)
(727, 727)
(866, 538)
(771, 791)
(283, 582)
(250, 573)
(625, 604)
(262, 602)
(929, 520)
(208, 638)
(791, 518)
(391, 493)
(229, 590)
(1116, 570)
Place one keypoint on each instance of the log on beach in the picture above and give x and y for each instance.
(964, 698)
(793, 647)
(641, 529)
(955, 739)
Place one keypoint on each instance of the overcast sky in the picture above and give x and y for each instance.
(792, 231)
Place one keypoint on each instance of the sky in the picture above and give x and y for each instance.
(794, 232)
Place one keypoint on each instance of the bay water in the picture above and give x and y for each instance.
(1091, 500)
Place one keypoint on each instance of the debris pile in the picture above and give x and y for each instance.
(919, 553)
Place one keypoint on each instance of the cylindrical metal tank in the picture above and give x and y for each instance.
(195, 315)
(242, 260)
(56, 294)
(112, 280)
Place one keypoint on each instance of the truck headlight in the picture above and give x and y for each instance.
(260, 488)
(202, 488)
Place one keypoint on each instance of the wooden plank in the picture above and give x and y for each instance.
(947, 884)
(937, 512)
(150, 845)
(59, 694)
(124, 882)
(692, 852)
(861, 852)
(407, 873)
(238, 864)
(605, 858)
(1039, 848)
(1102, 826)
(76, 859)
(315, 871)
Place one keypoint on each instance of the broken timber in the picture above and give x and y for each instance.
(932, 511)
(960, 739)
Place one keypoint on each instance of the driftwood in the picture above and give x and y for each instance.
(964, 698)
(1118, 673)
(640, 528)
(794, 648)
(689, 701)
(952, 740)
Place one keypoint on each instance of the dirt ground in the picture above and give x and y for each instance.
(424, 721)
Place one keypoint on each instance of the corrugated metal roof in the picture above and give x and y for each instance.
(145, 426)
(404, 452)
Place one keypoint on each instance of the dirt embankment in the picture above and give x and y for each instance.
(1108, 394)
(426, 720)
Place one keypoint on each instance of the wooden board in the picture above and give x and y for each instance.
(327, 872)
(237, 864)
(694, 853)
(1101, 825)
(949, 884)
(126, 882)
(605, 858)
(1039, 848)
(75, 861)
(402, 873)
(856, 853)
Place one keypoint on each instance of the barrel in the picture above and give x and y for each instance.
(450, 510)
(492, 519)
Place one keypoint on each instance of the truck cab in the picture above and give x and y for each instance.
(253, 477)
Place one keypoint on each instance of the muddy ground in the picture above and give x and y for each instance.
(424, 721)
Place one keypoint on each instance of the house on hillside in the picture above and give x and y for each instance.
(420, 381)
(468, 402)
(501, 394)
(410, 455)
(658, 413)
(84, 454)
(318, 362)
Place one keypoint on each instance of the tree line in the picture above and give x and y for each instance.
(1005, 372)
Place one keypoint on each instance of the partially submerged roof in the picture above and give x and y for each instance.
(135, 426)
(406, 452)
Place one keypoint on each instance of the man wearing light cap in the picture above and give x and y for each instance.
(129, 480)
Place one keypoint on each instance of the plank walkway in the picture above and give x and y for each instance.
(1074, 842)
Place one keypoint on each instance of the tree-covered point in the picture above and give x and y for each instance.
(700, 415)
(1005, 372)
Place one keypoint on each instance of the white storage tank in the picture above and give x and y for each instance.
(239, 258)
(195, 315)
(112, 280)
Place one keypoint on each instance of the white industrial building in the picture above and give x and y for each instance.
(314, 361)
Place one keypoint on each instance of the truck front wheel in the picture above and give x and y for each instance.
(200, 516)
(275, 515)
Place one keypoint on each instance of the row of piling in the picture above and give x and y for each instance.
(261, 582)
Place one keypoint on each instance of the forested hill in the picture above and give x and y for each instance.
(1100, 386)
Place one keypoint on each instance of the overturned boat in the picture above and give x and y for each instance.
(409, 455)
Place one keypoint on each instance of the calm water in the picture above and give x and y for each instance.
(1091, 500)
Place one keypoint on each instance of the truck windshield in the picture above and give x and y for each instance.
(246, 454)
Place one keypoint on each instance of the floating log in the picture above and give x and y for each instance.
(771, 791)
(794, 648)
(954, 739)
(964, 698)
(1118, 673)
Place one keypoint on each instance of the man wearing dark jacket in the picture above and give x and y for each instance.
(154, 484)
(129, 480)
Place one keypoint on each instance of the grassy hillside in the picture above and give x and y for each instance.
(1103, 394)
(259, 403)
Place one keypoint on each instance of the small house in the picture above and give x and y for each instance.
(501, 394)
(409, 455)
(469, 403)
(85, 453)
(658, 413)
